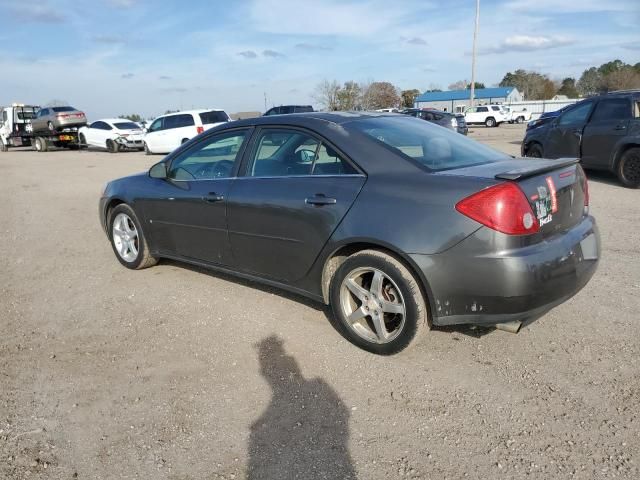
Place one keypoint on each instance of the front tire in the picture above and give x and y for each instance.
(128, 240)
(490, 122)
(629, 168)
(377, 302)
(520, 120)
(146, 149)
(534, 151)
(112, 146)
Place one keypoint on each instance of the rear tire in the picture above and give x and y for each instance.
(628, 169)
(520, 120)
(400, 291)
(490, 122)
(136, 256)
(3, 147)
(83, 141)
(534, 151)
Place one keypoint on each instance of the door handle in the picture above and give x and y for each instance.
(319, 200)
(213, 197)
(619, 127)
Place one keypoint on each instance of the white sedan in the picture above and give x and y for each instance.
(114, 134)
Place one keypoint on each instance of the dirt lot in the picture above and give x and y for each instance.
(177, 373)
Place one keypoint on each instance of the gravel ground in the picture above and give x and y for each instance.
(177, 373)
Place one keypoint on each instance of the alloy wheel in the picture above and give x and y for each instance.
(125, 237)
(372, 305)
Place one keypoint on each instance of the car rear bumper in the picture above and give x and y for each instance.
(467, 285)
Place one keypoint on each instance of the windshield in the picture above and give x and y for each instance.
(126, 126)
(215, 116)
(63, 109)
(432, 146)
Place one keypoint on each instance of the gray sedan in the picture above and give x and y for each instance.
(398, 224)
(57, 118)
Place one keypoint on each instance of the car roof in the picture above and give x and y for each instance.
(113, 120)
(199, 110)
(311, 118)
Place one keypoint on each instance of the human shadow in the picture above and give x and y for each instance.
(304, 432)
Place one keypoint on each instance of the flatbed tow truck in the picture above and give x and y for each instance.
(16, 130)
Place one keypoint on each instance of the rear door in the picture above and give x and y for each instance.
(295, 191)
(565, 135)
(187, 212)
(608, 124)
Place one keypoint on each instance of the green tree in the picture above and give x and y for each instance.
(477, 85)
(409, 97)
(134, 117)
(568, 88)
(348, 97)
(533, 85)
(590, 82)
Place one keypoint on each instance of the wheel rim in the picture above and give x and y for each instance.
(125, 237)
(373, 305)
(535, 153)
(38, 144)
(631, 169)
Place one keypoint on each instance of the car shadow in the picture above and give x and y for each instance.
(304, 431)
(603, 176)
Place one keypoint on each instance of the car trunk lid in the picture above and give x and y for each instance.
(555, 189)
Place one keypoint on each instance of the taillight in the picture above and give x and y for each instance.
(503, 207)
(200, 130)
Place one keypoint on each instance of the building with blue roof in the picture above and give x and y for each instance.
(457, 100)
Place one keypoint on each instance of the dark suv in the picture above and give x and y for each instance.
(444, 119)
(603, 131)
(283, 109)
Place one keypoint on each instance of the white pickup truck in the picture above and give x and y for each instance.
(514, 116)
(489, 115)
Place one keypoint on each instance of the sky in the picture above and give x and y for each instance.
(112, 57)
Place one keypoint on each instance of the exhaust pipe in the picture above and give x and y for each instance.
(511, 327)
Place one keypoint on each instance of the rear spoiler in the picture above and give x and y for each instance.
(530, 172)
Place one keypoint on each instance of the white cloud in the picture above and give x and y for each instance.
(527, 43)
(551, 7)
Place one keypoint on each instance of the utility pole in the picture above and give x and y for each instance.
(473, 56)
(265, 101)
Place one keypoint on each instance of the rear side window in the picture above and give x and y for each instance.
(208, 118)
(495, 109)
(178, 121)
(431, 146)
(612, 109)
(304, 109)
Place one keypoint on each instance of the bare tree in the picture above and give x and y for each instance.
(459, 85)
(327, 93)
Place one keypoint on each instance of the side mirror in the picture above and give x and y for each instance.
(159, 170)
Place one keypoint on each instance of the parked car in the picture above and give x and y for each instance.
(513, 116)
(114, 134)
(488, 115)
(286, 109)
(603, 132)
(444, 119)
(58, 118)
(545, 117)
(398, 224)
(168, 132)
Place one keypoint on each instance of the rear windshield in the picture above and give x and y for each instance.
(26, 113)
(431, 146)
(215, 116)
(127, 126)
(63, 109)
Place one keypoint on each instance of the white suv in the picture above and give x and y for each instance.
(168, 132)
(489, 115)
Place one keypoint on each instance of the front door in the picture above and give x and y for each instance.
(187, 212)
(155, 136)
(295, 191)
(608, 124)
(565, 135)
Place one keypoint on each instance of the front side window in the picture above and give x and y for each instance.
(612, 109)
(483, 109)
(285, 153)
(44, 112)
(578, 114)
(210, 159)
(431, 146)
(156, 125)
